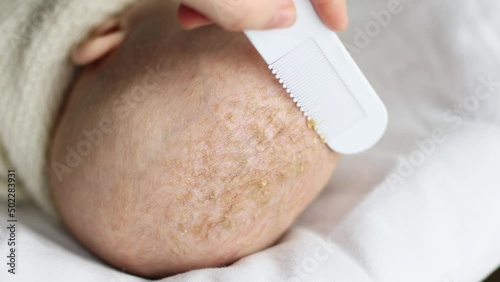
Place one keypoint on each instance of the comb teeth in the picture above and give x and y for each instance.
(297, 103)
(288, 90)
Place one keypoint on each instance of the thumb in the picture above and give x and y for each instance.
(238, 15)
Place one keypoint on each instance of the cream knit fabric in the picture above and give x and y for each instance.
(37, 38)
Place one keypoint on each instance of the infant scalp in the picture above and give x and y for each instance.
(213, 163)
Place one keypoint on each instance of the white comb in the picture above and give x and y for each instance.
(320, 76)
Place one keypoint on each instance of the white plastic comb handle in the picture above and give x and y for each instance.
(318, 72)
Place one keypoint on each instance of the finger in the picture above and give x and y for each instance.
(238, 15)
(191, 19)
(333, 13)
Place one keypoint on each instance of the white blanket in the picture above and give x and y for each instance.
(421, 206)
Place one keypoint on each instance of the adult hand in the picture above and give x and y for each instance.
(238, 15)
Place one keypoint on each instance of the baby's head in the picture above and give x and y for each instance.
(179, 150)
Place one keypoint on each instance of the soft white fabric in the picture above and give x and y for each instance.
(378, 219)
(37, 38)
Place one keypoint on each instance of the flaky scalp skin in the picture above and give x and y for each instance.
(214, 162)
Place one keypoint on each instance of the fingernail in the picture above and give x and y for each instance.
(285, 16)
